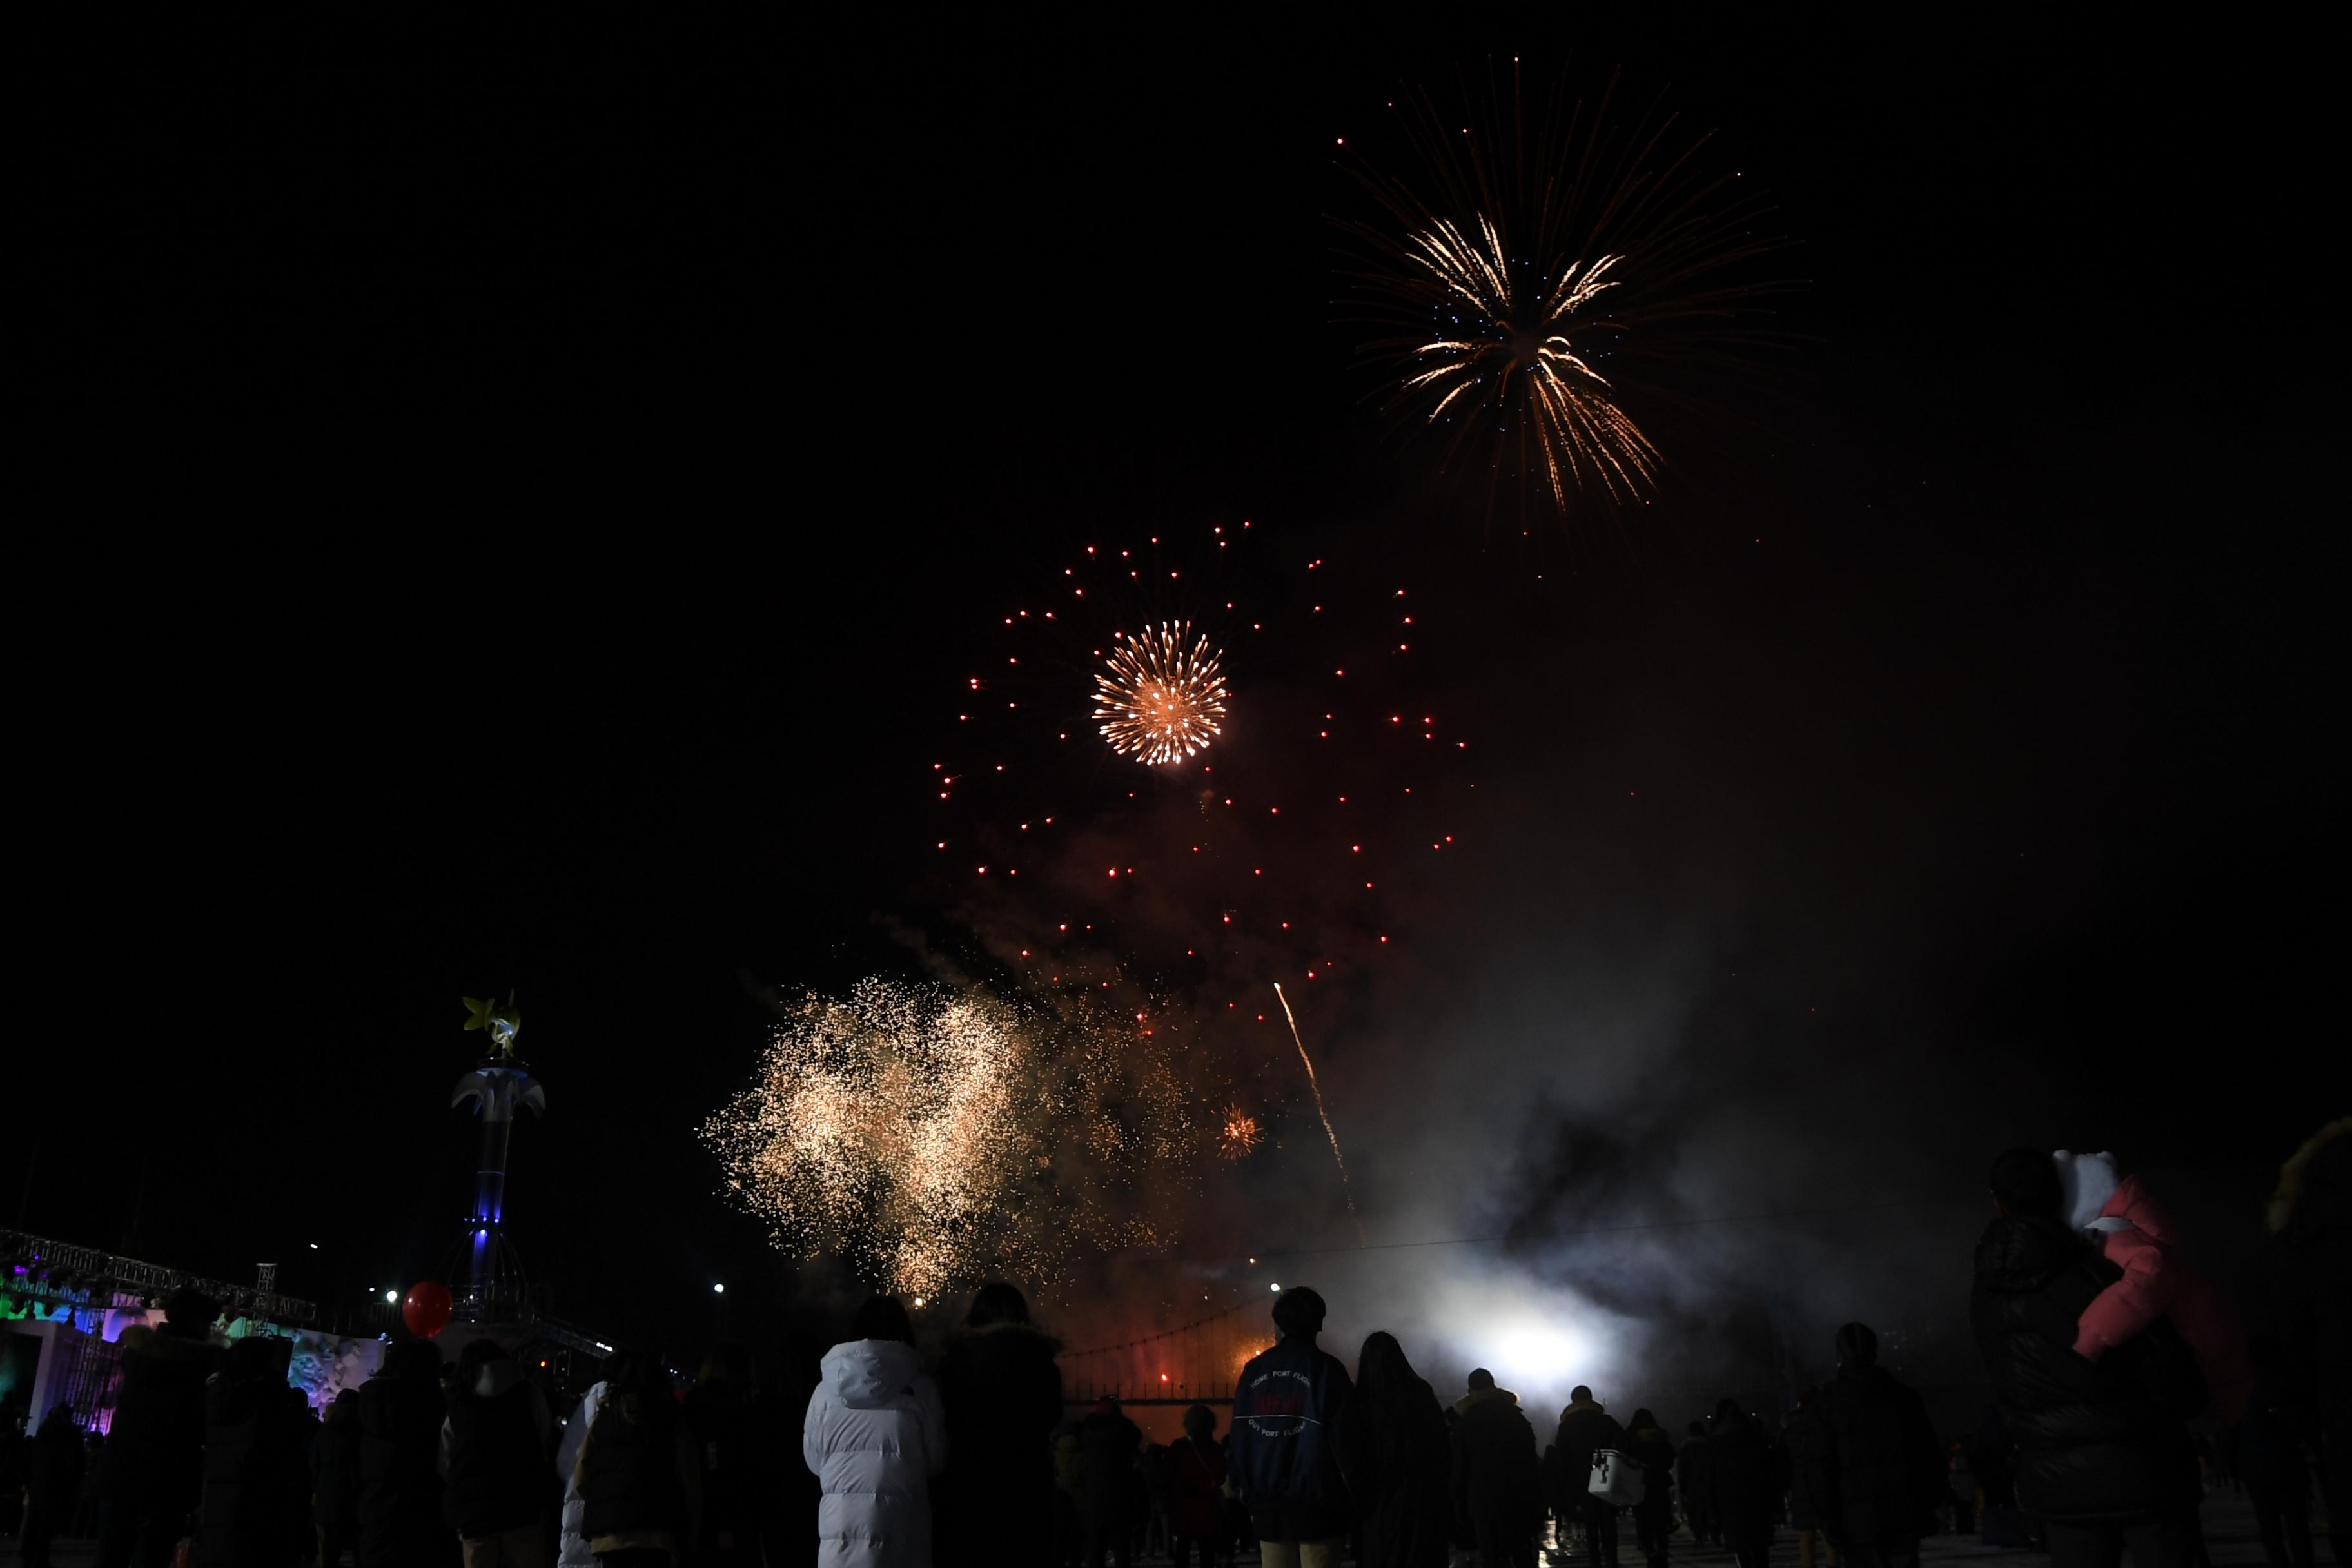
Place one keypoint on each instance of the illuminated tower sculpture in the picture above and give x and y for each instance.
(494, 1288)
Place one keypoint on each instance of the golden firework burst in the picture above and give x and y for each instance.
(1241, 1133)
(1160, 700)
(1510, 342)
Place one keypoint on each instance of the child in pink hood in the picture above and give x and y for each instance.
(2138, 1237)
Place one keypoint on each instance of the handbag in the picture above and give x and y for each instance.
(1616, 1479)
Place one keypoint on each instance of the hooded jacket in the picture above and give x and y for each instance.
(1496, 1479)
(1695, 1478)
(257, 1471)
(2137, 1235)
(1750, 1475)
(2093, 1443)
(1108, 1447)
(335, 1467)
(1649, 1446)
(574, 1531)
(154, 1466)
(1283, 1452)
(401, 1410)
(1584, 1428)
(873, 1437)
(494, 1448)
(1872, 1472)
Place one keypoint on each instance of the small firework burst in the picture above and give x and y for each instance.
(1542, 266)
(1512, 338)
(1161, 701)
(1241, 1133)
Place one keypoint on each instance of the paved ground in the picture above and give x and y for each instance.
(2229, 1539)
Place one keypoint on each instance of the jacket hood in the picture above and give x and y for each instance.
(2020, 1253)
(1478, 1397)
(1583, 1404)
(496, 1377)
(868, 1375)
(2085, 1182)
(2314, 1196)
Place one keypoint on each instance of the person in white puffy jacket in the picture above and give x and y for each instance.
(575, 1548)
(875, 1437)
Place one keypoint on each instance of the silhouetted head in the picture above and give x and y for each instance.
(1199, 1423)
(1728, 1412)
(1381, 1364)
(1106, 1405)
(1857, 1346)
(477, 1354)
(1298, 1313)
(1481, 1378)
(1579, 1394)
(2025, 1181)
(882, 1318)
(188, 1314)
(1642, 1418)
(997, 1302)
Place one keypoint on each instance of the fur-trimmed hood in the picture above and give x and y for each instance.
(2313, 1197)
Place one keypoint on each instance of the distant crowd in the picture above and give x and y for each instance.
(2121, 1386)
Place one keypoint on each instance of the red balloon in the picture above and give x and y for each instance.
(427, 1309)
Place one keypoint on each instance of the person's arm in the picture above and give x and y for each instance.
(448, 1441)
(2123, 1309)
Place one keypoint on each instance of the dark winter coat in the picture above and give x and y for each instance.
(1283, 1454)
(1804, 1435)
(1399, 1463)
(1002, 1391)
(1109, 1444)
(498, 1440)
(1870, 1466)
(1650, 1447)
(335, 1468)
(718, 1418)
(53, 1464)
(2312, 1217)
(1196, 1479)
(1751, 1475)
(256, 1500)
(154, 1469)
(401, 1411)
(637, 1476)
(1495, 1481)
(1695, 1478)
(1584, 1429)
(2095, 1440)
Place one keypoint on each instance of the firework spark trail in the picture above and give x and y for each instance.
(1346, 1189)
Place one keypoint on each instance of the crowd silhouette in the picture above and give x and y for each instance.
(2122, 1387)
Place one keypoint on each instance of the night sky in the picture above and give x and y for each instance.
(522, 495)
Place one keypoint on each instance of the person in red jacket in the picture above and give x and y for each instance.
(2136, 1234)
